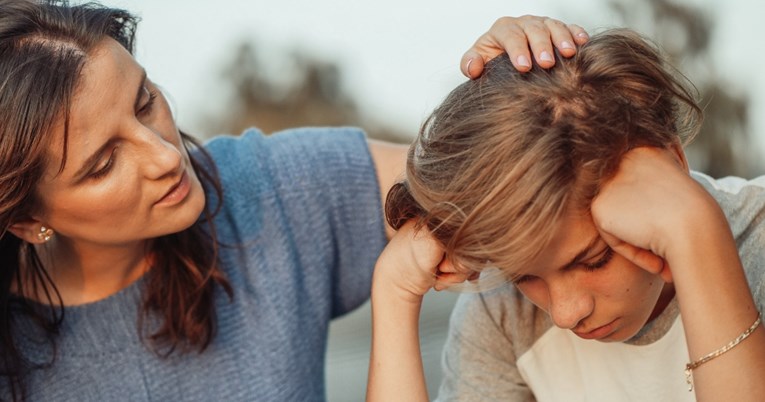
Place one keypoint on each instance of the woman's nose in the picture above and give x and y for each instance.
(162, 157)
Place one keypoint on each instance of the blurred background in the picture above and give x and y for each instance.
(231, 64)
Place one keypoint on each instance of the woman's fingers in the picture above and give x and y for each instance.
(565, 37)
(524, 39)
(538, 34)
(471, 64)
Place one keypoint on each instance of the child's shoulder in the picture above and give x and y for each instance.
(743, 202)
(501, 308)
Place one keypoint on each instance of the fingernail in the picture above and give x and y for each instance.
(566, 45)
(582, 35)
(437, 287)
(546, 56)
(467, 66)
(523, 61)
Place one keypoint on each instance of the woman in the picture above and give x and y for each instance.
(138, 265)
(573, 184)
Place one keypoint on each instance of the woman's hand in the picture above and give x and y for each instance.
(516, 35)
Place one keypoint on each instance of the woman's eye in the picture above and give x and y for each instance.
(149, 105)
(601, 262)
(105, 168)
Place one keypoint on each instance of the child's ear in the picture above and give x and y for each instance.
(31, 231)
(677, 151)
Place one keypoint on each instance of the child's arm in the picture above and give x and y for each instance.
(410, 265)
(653, 213)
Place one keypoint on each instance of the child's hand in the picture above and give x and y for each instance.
(646, 211)
(413, 263)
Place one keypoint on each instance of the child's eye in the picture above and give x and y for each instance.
(522, 279)
(602, 261)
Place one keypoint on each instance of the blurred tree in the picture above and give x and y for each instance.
(307, 92)
(685, 32)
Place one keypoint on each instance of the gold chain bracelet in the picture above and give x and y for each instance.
(691, 366)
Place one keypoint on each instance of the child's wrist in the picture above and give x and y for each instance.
(702, 228)
(387, 289)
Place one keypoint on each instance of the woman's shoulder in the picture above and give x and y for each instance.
(306, 188)
(284, 143)
(294, 159)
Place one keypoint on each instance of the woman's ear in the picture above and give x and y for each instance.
(31, 231)
(679, 154)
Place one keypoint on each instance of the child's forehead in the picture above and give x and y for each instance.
(574, 237)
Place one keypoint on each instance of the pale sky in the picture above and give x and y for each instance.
(399, 57)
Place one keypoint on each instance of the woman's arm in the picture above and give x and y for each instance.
(390, 163)
(655, 214)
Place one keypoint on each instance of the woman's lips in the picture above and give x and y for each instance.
(177, 193)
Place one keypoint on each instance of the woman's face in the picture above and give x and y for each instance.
(586, 287)
(127, 177)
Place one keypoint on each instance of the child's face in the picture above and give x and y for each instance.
(588, 288)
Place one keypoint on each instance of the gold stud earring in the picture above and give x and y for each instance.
(45, 234)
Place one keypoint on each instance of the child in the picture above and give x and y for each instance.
(574, 185)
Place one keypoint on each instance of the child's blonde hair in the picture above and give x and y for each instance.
(505, 156)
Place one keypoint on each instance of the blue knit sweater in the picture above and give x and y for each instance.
(303, 209)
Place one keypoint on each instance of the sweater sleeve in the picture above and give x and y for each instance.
(332, 169)
(310, 196)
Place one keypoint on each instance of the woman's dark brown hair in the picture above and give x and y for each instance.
(43, 47)
(505, 156)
